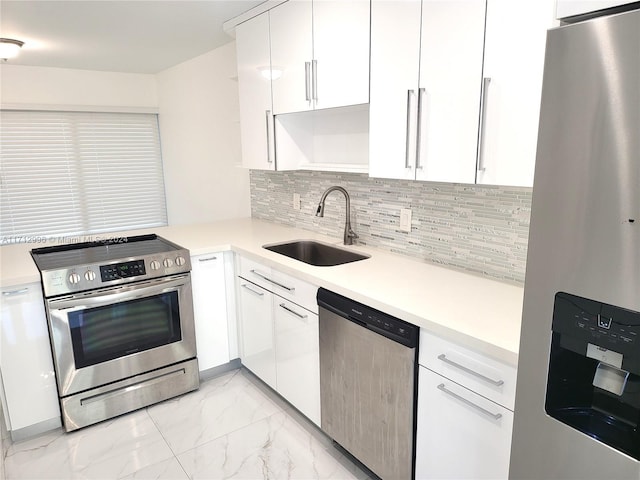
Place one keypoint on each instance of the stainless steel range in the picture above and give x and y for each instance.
(120, 317)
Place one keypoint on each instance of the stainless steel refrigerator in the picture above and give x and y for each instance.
(577, 410)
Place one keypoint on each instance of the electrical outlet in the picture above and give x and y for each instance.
(296, 201)
(405, 220)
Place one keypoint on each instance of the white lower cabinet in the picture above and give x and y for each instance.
(279, 336)
(298, 357)
(465, 412)
(257, 345)
(210, 309)
(460, 434)
(30, 399)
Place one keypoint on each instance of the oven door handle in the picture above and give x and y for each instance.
(113, 295)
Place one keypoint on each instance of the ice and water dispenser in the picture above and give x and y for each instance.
(594, 371)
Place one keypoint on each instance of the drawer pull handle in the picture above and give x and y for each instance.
(444, 358)
(302, 317)
(12, 293)
(495, 416)
(252, 290)
(209, 259)
(255, 272)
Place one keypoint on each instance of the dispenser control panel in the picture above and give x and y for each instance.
(597, 323)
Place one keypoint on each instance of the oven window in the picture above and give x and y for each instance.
(112, 331)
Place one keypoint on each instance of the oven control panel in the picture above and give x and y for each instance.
(77, 267)
(89, 277)
(122, 270)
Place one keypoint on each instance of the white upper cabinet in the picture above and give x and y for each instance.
(426, 69)
(395, 53)
(254, 87)
(291, 53)
(340, 52)
(449, 89)
(322, 49)
(453, 99)
(513, 68)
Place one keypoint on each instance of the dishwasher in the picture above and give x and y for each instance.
(368, 378)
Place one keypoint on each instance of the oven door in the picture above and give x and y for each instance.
(110, 334)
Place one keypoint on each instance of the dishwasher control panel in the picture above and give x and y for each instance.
(370, 318)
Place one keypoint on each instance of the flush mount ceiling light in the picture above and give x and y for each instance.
(9, 48)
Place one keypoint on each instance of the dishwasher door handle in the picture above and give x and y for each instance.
(444, 358)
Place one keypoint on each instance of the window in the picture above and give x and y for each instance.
(77, 173)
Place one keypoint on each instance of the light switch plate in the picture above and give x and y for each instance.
(296, 201)
(405, 220)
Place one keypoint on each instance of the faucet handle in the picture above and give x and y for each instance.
(350, 236)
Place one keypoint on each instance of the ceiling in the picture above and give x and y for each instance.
(135, 36)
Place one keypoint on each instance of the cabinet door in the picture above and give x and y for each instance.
(291, 52)
(25, 358)
(450, 80)
(395, 53)
(514, 63)
(254, 87)
(340, 53)
(459, 433)
(210, 310)
(298, 357)
(257, 351)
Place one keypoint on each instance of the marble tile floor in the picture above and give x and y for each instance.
(232, 427)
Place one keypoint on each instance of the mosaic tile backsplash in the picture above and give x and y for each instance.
(479, 229)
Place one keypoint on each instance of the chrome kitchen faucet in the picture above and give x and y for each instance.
(349, 234)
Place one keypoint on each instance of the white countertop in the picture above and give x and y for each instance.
(472, 310)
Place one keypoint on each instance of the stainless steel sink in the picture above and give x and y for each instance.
(315, 253)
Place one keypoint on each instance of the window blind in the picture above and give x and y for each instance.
(77, 173)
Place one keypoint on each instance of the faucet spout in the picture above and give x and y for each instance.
(349, 234)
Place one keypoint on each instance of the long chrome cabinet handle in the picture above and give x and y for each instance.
(314, 79)
(12, 293)
(421, 108)
(302, 317)
(208, 259)
(260, 294)
(307, 81)
(495, 416)
(255, 272)
(444, 358)
(267, 114)
(407, 159)
(483, 116)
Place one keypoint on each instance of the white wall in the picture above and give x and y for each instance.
(200, 131)
(42, 86)
(199, 123)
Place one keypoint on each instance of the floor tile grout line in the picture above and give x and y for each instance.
(175, 456)
(235, 373)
